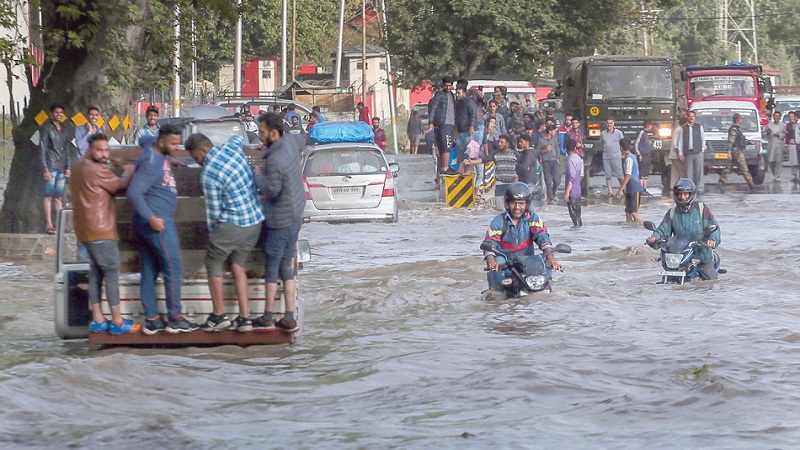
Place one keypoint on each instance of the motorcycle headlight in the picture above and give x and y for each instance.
(673, 260)
(536, 282)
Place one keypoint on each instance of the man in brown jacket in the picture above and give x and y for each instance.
(95, 218)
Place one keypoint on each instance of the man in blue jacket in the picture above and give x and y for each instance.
(154, 197)
(689, 220)
(283, 196)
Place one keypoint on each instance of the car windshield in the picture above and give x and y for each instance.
(344, 161)
(218, 132)
(784, 106)
(715, 119)
(629, 81)
(704, 86)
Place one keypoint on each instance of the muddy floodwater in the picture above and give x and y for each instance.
(398, 350)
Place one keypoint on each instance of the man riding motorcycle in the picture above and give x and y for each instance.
(689, 220)
(513, 232)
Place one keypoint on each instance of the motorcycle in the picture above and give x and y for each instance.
(529, 273)
(677, 256)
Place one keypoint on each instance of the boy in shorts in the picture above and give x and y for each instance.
(630, 182)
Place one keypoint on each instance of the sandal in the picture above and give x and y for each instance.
(50, 230)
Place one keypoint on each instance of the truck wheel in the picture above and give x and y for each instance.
(758, 174)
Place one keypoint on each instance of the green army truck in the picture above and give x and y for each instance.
(630, 90)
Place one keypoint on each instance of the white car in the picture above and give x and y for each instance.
(349, 182)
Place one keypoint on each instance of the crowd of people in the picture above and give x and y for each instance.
(524, 144)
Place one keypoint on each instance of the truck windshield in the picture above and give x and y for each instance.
(630, 81)
(716, 119)
(722, 86)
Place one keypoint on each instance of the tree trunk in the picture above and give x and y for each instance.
(76, 81)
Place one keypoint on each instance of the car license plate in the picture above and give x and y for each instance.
(720, 156)
(345, 190)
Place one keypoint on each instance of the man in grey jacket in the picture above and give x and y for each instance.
(281, 189)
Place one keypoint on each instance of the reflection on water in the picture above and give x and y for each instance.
(399, 350)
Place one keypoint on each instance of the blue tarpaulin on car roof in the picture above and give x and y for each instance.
(332, 132)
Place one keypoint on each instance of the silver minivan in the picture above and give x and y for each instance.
(349, 182)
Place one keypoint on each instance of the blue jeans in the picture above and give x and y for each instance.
(54, 187)
(280, 246)
(478, 136)
(159, 253)
(462, 139)
(550, 171)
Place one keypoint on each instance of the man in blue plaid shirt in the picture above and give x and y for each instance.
(234, 214)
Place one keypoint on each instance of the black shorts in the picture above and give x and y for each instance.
(632, 202)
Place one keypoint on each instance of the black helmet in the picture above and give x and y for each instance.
(685, 185)
(518, 191)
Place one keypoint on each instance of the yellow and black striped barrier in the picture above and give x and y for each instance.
(488, 176)
(459, 190)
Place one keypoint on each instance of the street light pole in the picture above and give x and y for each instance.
(176, 64)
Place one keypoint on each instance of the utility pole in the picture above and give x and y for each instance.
(237, 59)
(647, 20)
(364, 52)
(737, 23)
(176, 64)
(283, 43)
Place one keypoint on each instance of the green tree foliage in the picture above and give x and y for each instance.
(435, 37)
(316, 25)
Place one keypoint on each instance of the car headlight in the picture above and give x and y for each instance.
(536, 282)
(664, 132)
(673, 260)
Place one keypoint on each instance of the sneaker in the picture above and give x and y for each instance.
(152, 327)
(127, 327)
(287, 325)
(242, 324)
(216, 323)
(101, 327)
(181, 325)
(646, 193)
(262, 323)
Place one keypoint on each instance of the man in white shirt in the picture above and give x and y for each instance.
(691, 146)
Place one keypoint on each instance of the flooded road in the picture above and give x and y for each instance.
(399, 351)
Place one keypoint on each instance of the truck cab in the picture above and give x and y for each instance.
(716, 117)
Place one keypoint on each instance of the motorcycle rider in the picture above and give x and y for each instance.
(689, 220)
(515, 231)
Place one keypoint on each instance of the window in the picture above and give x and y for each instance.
(358, 66)
(266, 74)
(382, 66)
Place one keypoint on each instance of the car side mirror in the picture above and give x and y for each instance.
(394, 168)
(563, 248)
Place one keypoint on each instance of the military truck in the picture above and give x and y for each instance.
(630, 90)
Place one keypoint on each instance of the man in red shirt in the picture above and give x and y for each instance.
(380, 134)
